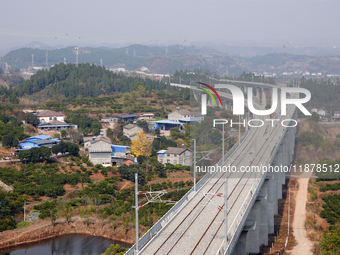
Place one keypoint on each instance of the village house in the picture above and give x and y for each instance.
(180, 114)
(336, 116)
(131, 130)
(48, 116)
(56, 125)
(100, 151)
(175, 156)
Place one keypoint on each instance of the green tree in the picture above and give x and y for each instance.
(67, 212)
(175, 133)
(86, 214)
(216, 137)
(14, 99)
(144, 125)
(159, 168)
(114, 249)
(315, 117)
(10, 140)
(330, 241)
(35, 154)
(102, 216)
(73, 149)
(63, 133)
(53, 215)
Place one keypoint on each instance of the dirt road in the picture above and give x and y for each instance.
(304, 245)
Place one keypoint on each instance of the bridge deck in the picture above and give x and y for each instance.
(199, 227)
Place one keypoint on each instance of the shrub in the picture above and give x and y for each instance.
(23, 224)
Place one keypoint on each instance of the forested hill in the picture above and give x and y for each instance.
(85, 80)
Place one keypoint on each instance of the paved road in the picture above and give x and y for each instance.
(304, 245)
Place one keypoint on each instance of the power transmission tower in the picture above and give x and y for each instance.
(77, 52)
(32, 60)
(46, 59)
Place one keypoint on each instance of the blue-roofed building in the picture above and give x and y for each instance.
(165, 125)
(119, 154)
(56, 140)
(38, 143)
(125, 118)
(120, 150)
(27, 145)
(38, 137)
(101, 151)
(191, 120)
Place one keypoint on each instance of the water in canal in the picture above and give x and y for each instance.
(73, 244)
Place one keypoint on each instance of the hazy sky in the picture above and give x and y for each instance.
(138, 21)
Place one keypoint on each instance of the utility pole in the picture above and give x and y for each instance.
(239, 130)
(223, 144)
(288, 210)
(254, 162)
(269, 144)
(136, 209)
(194, 164)
(151, 199)
(226, 210)
(25, 210)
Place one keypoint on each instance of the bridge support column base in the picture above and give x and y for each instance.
(271, 202)
(263, 233)
(253, 236)
(240, 248)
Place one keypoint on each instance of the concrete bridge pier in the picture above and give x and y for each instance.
(244, 89)
(257, 95)
(253, 236)
(277, 174)
(292, 144)
(196, 95)
(264, 98)
(271, 196)
(210, 102)
(263, 224)
(240, 247)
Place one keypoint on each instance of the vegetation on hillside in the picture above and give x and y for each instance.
(325, 94)
(85, 80)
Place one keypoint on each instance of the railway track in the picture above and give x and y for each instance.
(193, 230)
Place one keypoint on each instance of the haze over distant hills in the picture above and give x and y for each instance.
(224, 59)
